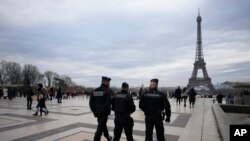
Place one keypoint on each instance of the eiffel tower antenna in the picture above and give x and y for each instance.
(200, 63)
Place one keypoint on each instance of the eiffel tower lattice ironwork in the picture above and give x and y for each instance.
(200, 64)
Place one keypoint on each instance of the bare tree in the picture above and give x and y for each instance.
(56, 79)
(49, 77)
(67, 80)
(14, 71)
(63, 81)
(41, 79)
(30, 74)
(3, 72)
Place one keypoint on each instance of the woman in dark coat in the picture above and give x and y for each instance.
(41, 100)
(192, 95)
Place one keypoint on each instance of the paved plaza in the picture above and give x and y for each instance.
(72, 120)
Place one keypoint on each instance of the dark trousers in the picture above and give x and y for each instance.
(178, 100)
(151, 122)
(191, 103)
(126, 122)
(42, 111)
(59, 99)
(10, 96)
(29, 103)
(42, 105)
(101, 128)
(185, 100)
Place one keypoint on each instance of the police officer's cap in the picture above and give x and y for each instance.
(106, 78)
(125, 85)
(155, 80)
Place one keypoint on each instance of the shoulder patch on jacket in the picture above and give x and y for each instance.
(98, 93)
(152, 95)
(120, 96)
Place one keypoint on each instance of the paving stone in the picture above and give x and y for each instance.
(73, 120)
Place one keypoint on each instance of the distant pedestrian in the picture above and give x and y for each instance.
(59, 95)
(123, 105)
(192, 95)
(229, 98)
(100, 105)
(214, 98)
(232, 99)
(178, 95)
(184, 95)
(41, 100)
(51, 93)
(10, 93)
(5, 92)
(30, 94)
(141, 92)
(219, 98)
(1, 92)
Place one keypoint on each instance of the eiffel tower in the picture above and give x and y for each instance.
(200, 64)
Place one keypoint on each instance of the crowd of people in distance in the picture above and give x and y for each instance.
(185, 94)
(38, 93)
(219, 98)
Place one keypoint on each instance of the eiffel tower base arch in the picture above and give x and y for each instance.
(201, 82)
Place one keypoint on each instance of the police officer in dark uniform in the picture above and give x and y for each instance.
(123, 105)
(153, 103)
(100, 105)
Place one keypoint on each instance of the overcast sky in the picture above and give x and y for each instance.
(127, 40)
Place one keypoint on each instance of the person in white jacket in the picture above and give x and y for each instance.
(5, 92)
(184, 95)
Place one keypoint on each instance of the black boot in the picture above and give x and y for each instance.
(109, 138)
(35, 114)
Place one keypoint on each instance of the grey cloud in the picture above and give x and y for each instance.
(133, 42)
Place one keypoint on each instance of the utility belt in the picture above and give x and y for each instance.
(156, 114)
(126, 118)
(122, 114)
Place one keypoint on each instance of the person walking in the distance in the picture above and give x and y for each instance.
(178, 95)
(219, 98)
(184, 95)
(123, 105)
(59, 95)
(1, 92)
(51, 93)
(228, 98)
(100, 105)
(152, 104)
(5, 92)
(41, 98)
(30, 94)
(192, 95)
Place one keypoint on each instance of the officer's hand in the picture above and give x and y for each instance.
(167, 119)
